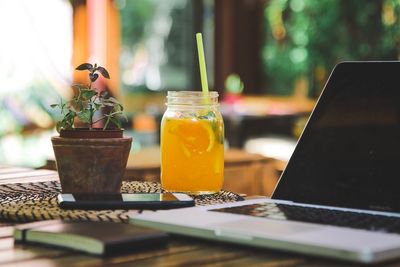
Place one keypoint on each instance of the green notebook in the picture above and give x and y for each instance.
(99, 238)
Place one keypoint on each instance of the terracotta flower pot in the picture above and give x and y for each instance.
(89, 161)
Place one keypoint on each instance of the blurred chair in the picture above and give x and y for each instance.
(279, 148)
(274, 146)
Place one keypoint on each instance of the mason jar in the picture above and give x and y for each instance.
(192, 143)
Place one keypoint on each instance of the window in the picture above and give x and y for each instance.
(303, 40)
(158, 44)
(35, 70)
(286, 47)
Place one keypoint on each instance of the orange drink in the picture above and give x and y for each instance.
(192, 146)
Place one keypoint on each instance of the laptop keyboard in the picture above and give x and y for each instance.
(318, 215)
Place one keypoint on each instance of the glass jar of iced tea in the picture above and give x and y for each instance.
(192, 143)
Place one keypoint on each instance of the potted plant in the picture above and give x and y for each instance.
(90, 159)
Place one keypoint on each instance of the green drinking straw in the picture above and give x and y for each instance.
(202, 63)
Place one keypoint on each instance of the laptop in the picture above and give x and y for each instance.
(339, 195)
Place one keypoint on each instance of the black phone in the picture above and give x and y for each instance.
(149, 201)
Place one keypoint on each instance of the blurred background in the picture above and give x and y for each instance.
(268, 59)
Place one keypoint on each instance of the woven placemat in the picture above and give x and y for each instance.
(25, 202)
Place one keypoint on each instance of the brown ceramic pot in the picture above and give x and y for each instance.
(89, 161)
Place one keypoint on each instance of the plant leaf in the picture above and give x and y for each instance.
(87, 101)
(112, 99)
(84, 115)
(103, 94)
(108, 104)
(59, 126)
(117, 108)
(97, 106)
(67, 122)
(103, 72)
(116, 122)
(120, 107)
(93, 77)
(88, 93)
(85, 66)
(79, 86)
(124, 116)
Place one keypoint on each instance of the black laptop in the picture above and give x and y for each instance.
(339, 195)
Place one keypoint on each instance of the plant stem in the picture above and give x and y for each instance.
(107, 122)
(90, 117)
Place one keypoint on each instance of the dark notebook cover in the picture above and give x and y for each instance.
(100, 238)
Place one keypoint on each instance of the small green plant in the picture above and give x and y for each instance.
(87, 102)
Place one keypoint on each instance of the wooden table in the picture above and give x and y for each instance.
(180, 251)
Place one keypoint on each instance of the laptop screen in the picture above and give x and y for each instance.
(349, 152)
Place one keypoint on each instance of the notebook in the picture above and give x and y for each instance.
(97, 238)
(339, 195)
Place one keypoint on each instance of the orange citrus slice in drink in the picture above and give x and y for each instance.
(195, 135)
